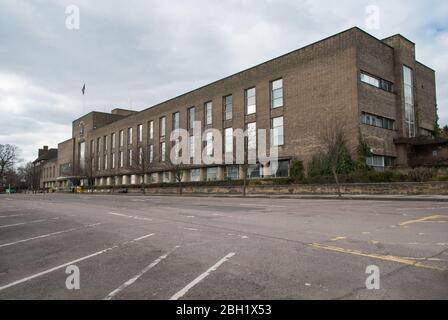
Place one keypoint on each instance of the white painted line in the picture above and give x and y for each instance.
(128, 216)
(14, 283)
(47, 235)
(190, 229)
(182, 292)
(138, 275)
(24, 223)
(15, 215)
(144, 237)
(260, 205)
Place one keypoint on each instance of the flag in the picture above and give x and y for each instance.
(83, 89)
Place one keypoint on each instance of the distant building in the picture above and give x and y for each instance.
(376, 86)
(46, 168)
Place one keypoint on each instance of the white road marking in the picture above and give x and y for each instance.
(24, 223)
(201, 277)
(190, 229)
(144, 237)
(15, 215)
(138, 275)
(47, 235)
(260, 205)
(128, 216)
(14, 283)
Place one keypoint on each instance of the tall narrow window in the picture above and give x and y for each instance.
(277, 131)
(105, 162)
(130, 158)
(208, 107)
(151, 129)
(151, 153)
(104, 143)
(408, 102)
(209, 143)
(277, 93)
(121, 138)
(191, 117)
(98, 145)
(140, 156)
(250, 101)
(120, 159)
(112, 141)
(129, 135)
(176, 121)
(191, 150)
(113, 161)
(252, 136)
(162, 126)
(140, 133)
(228, 106)
(177, 153)
(228, 140)
(162, 151)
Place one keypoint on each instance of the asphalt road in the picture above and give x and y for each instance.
(155, 247)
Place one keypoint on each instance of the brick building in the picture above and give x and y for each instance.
(374, 86)
(45, 168)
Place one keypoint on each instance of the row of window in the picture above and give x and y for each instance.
(49, 172)
(377, 121)
(377, 82)
(277, 139)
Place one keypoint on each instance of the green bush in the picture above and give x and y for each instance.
(297, 171)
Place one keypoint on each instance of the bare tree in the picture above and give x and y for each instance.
(8, 155)
(334, 142)
(26, 175)
(143, 165)
(178, 170)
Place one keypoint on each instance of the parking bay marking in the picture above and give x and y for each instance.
(48, 235)
(14, 283)
(138, 275)
(425, 219)
(201, 277)
(25, 223)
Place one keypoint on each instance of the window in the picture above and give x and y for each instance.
(228, 140)
(408, 102)
(151, 130)
(192, 147)
(81, 129)
(121, 138)
(105, 162)
(250, 101)
(176, 121)
(191, 118)
(280, 169)
(228, 105)
(130, 158)
(212, 174)
(252, 136)
(98, 145)
(82, 155)
(277, 93)
(140, 156)
(377, 121)
(98, 163)
(120, 159)
(277, 131)
(208, 107)
(162, 151)
(151, 153)
(177, 153)
(129, 135)
(209, 143)
(195, 175)
(162, 123)
(232, 173)
(113, 161)
(253, 171)
(166, 176)
(140, 133)
(104, 143)
(113, 141)
(92, 147)
(377, 82)
(380, 162)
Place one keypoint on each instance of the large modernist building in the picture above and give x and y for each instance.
(374, 86)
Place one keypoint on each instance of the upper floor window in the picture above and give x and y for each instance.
(104, 143)
(113, 140)
(277, 93)
(209, 143)
(277, 138)
(162, 126)
(376, 82)
(208, 107)
(151, 129)
(252, 136)
(140, 156)
(151, 153)
(162, 151)
(176, 121)
(250, 101)
(191, 117)
(121, 142)
(228, 140)
(377, 121)
(129, 135)
(140, 133)
(81, 129)
(98, 145)
(409, 117)
(129, 157)
(191, 150)
(228, 106)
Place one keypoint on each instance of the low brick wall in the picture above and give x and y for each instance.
(399, 188)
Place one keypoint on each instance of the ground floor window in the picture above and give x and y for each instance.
(195, 175)
(166, 177)
(153, 177)
(232, 172)
(380, 162)
(253, 171)
(280, 169)
(212, 174)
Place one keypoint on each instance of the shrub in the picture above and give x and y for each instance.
(297, 171)
(422, 174)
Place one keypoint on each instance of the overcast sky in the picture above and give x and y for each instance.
(134, 54)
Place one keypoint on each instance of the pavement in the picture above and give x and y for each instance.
(158, 247)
